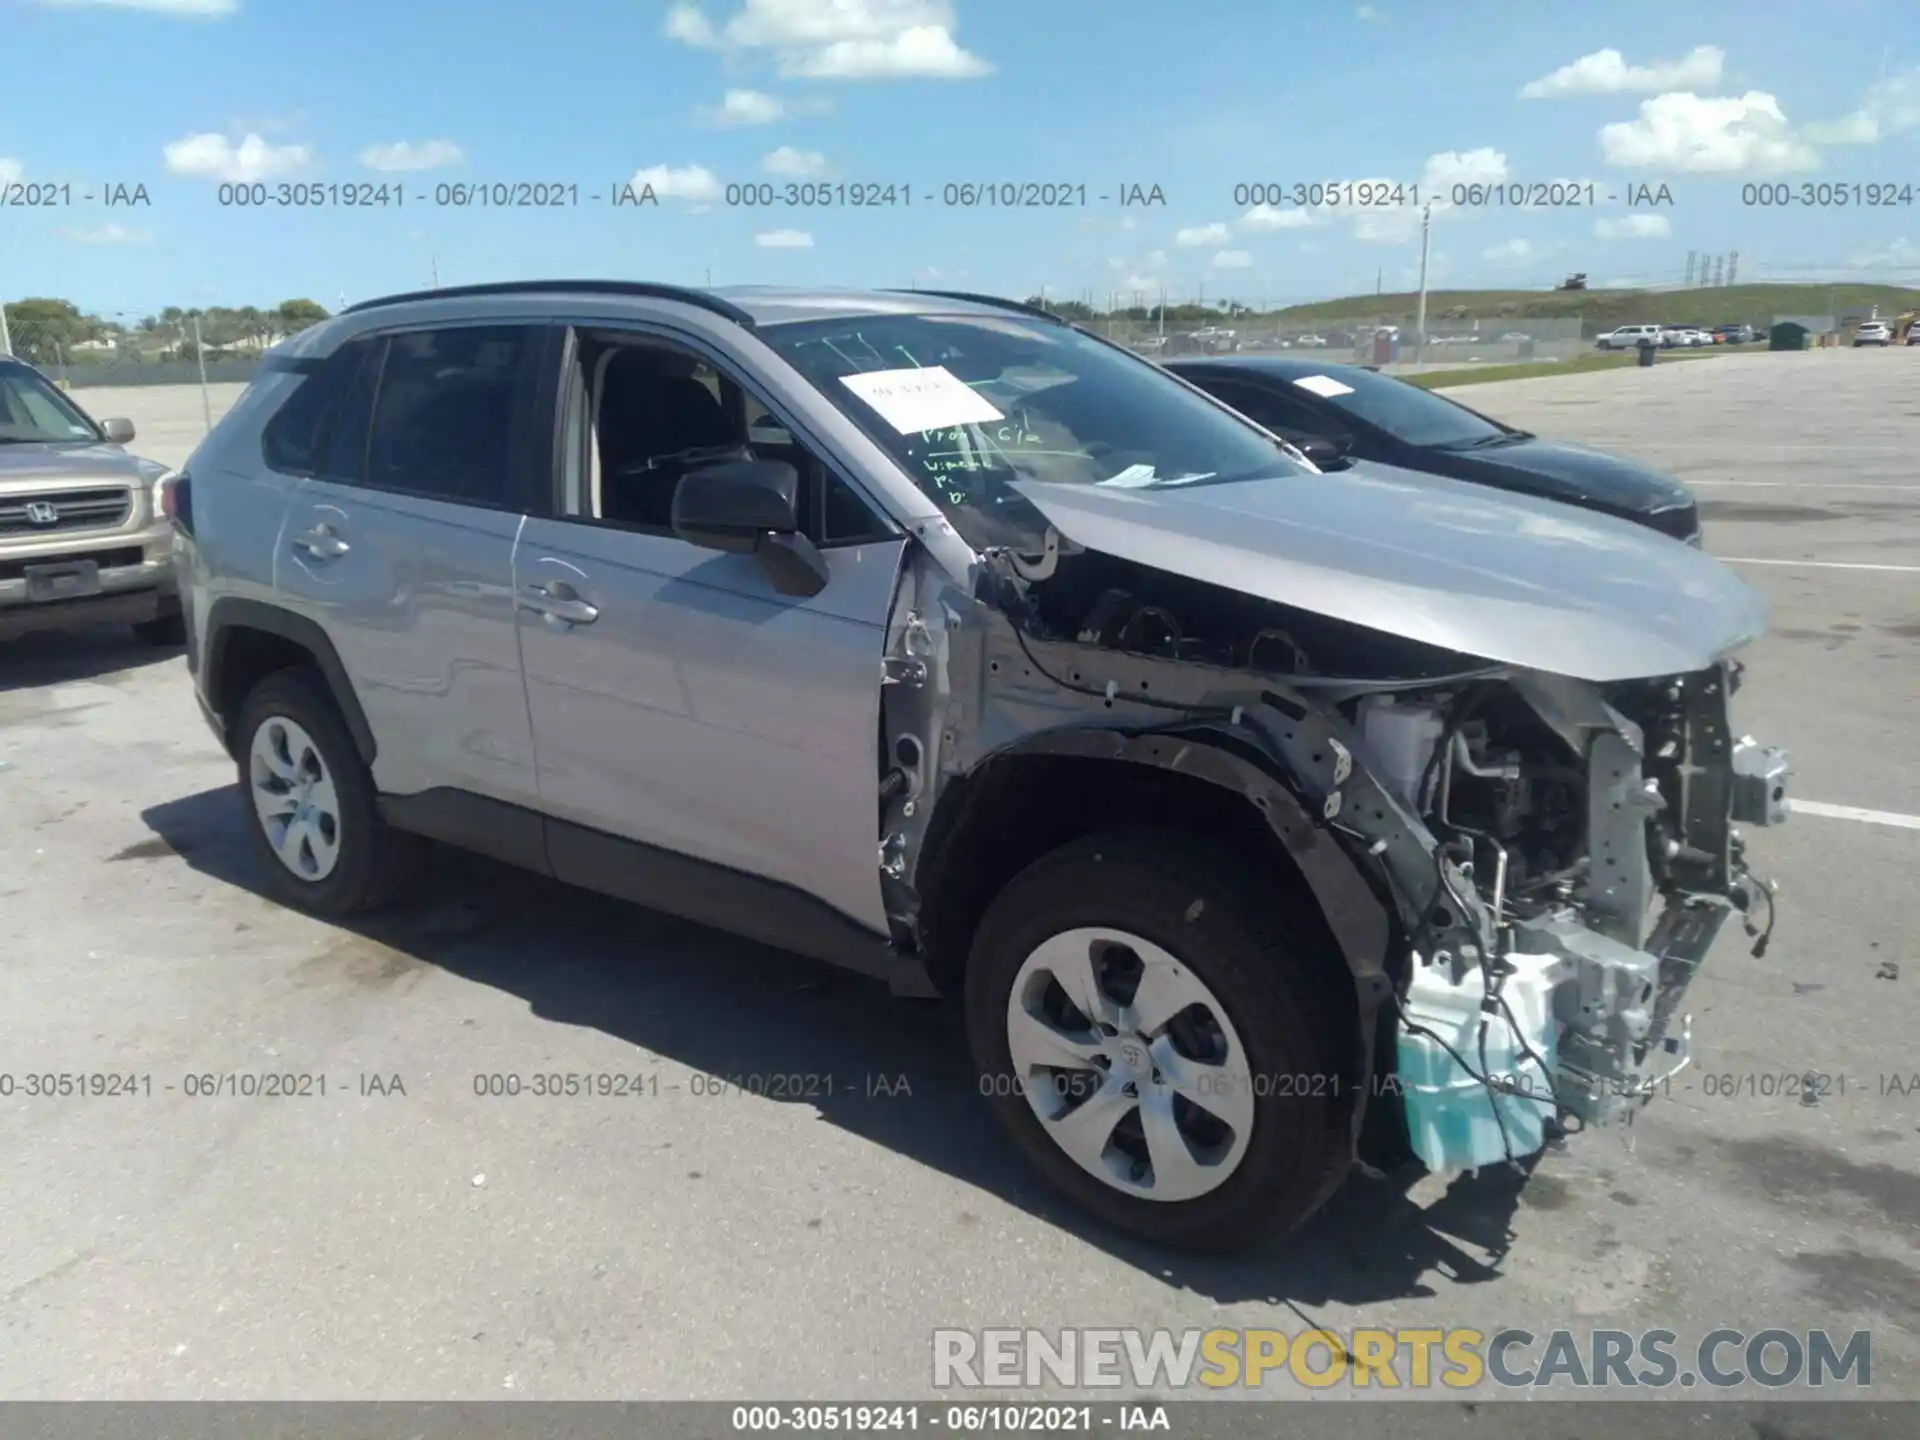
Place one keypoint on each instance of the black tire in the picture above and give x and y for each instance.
(375, 861)
(1271, 964)
(163, 632)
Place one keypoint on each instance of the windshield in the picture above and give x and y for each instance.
(33, 412)
(969, 404)
(1406, 412)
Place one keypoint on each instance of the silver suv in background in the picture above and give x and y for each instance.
(84, 539)
(926, 634)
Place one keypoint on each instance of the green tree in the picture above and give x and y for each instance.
(293, 316)
(43, 330)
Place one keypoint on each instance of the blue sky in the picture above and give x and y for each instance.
(1702, 96)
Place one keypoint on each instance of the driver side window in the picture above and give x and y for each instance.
(654, 411)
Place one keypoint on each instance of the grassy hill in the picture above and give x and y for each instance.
(1604, 309)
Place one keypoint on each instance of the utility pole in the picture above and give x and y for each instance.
(6, 340)
(434, 262)
(1733, 265)
(1420, 315)
(1163, 312)
(1719, 270)
(1687, 284)
(1379, 279)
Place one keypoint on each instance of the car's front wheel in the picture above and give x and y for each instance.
(309, 802)
(1163, 1034)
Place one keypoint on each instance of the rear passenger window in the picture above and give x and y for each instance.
(293, 439)
(443, 417)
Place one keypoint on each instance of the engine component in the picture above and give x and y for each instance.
(1760, 783)
(1478, 1083)
(1399, 738)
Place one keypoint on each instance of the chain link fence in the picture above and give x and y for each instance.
(1389, 338)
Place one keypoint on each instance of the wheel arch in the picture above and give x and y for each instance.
(247, 640)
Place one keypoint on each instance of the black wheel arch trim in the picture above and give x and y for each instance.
(230, 614)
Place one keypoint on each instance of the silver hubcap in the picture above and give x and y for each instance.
(294, 797)
(1131, 1064)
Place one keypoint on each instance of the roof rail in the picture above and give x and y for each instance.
(685, 295)
(996, 301)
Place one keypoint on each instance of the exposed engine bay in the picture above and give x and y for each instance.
(1556, 855)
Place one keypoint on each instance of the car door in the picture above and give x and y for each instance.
(693, 727)
(400, 544)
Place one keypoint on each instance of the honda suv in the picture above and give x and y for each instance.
(1241, 807)
(83, 535)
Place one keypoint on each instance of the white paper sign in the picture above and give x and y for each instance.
(1323, 385)
(926, 397)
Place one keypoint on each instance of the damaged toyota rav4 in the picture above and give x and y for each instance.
(1261, 819)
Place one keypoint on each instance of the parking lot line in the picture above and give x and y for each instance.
(1854, 812)
(1798, 485)
(1817, 564)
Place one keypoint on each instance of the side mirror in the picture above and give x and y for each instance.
(751, 507)
(1322, 450)
(118, 430)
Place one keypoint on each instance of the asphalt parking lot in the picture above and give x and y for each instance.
(403, 1237)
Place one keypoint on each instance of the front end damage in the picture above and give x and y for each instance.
(1523, 871)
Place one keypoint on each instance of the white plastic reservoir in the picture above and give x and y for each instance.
(1450, 1115)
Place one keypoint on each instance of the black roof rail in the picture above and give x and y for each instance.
(706, 300)
(996, 301)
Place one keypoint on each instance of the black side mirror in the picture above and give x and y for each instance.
(751, 507)
(1324, 451)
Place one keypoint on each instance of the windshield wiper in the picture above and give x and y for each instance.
(1502, 437)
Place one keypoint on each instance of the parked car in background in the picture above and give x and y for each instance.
(1310, 342)
(1516, 337)
(1873, 332)
(83, 540)
(1628, 337)
(1913, 333)
(1336, 414)
(931, 636)
(1734, 334)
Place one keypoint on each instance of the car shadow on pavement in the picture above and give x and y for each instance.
(95, 652)
(894, 1072)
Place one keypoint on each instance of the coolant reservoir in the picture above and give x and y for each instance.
(1399, 740)
(1451, 1118)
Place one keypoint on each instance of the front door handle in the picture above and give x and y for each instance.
(321, 543)
(560, 603)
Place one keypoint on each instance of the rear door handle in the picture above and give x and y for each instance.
(321, 543)
(560, 603)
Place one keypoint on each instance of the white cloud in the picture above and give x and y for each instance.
(1634, 227)
(1889, 107)
(11, 171)
(1367, 14)
(1509, 251)
(694, 182)
(215, 157)
(838, 39)
(1899, 252)
(746, 107)
(1262, 218)
(107, 235)
(1232, 260)
(1606, 72)
(795, 164)
(784, 240)
(1157, 259)
(1485, 166)
(1709, 135)
(1194, 236)
(160, 7)
(1389, 225)
(405, 155)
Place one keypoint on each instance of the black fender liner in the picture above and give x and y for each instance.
(1361, 921)
(230, 614)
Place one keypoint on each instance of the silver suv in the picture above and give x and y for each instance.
(84, 539)
(928, 635)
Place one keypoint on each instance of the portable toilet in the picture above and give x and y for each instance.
(1788, 335)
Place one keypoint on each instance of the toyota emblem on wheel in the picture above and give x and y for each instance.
(39, 512)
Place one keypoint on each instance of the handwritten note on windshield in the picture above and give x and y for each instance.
(926, 397)
(1324, 386)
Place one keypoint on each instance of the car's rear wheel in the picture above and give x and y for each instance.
(1163, 1035)
(309, 802)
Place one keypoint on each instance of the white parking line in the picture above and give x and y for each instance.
(1854, 812)
(1807, 486)
(1817, 564)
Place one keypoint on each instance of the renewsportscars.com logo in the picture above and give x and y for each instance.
(1458, 1358)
